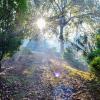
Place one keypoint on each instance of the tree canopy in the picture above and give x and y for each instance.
(69, 18)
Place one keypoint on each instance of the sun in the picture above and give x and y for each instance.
(41, 23)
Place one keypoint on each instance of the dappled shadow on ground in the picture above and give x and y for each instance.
(39, 76)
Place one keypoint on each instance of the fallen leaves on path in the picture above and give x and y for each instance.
(42, 77)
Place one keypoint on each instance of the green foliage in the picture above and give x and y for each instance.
(95, 66)
(98, 40)
(94, 57)
(13, 45)
(10, 12)
(10, 45)
(93, 54)
(22, 5)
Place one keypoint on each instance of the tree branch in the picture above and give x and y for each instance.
(57, 6)
(78, 16)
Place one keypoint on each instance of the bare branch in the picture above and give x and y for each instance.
(57, 5)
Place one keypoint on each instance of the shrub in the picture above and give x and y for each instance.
(93, 54)
(94, 57)
(95, 66)
(98, 41)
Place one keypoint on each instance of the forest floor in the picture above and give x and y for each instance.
(43, 76)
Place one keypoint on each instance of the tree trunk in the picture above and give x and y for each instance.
(1, 57)
(61, 39)
(0, 66)
(61, 46)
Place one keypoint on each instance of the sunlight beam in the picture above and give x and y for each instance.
(41, 23)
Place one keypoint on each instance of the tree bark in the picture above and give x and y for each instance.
(1, 57)
(61, 37)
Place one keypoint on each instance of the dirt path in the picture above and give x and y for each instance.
(42, 76)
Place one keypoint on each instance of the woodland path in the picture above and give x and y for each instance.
(44, 76)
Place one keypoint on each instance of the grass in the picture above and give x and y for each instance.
(75, 72)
